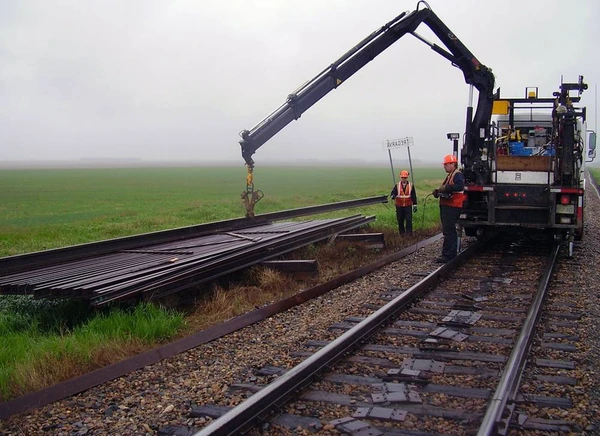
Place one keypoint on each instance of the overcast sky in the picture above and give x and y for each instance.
(179, 79)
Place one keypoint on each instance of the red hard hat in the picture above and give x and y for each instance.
(403, 173)
(450, 158)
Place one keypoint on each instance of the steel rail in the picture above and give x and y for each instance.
(260, 405)
(73, 279)
(232, 265)
(242, 247)
(79, 384)
(177, 279)
(114, 273)
(21, 262)
(509, 382)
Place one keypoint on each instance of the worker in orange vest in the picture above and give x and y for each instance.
(405, 197)
(452, 196)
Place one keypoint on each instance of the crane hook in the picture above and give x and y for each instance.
(250, 196)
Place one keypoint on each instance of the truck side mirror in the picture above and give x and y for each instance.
(592, 146)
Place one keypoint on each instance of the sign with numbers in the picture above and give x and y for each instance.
(397, 143)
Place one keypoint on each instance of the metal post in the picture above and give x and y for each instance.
(469, 121)
(412, 177)
(392, 166)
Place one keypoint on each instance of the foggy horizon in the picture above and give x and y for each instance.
(171, 82)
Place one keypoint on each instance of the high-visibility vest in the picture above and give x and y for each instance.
(458, 197)
(403, 198)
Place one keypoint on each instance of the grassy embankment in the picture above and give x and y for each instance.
(46, 342)
(595, 172)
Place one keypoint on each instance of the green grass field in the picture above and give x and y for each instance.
(43, 209)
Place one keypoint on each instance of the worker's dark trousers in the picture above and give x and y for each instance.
(449, 216)
(404, 214)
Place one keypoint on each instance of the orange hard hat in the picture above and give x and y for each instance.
(450, 158)
(403, 173)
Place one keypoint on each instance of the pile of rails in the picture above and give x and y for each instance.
(151, 270)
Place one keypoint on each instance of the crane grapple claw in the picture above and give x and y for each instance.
(250, 198)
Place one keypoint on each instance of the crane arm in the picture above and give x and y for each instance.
(357, 57)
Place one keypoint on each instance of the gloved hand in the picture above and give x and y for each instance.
(435, 193)
(415, 208)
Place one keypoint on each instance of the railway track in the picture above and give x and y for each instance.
(403, 362)
(445, 356)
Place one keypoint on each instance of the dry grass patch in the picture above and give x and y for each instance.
(260, 285)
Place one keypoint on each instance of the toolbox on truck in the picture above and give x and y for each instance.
(523, 163)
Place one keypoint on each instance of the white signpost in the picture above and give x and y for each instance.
(399, 143)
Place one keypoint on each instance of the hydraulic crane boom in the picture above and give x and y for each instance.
(475, 73)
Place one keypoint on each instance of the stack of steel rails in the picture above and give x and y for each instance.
(158, 270)
(154, 265)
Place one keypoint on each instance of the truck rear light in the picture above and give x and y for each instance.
(565, 199)
(515, 194)
(565, 220)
